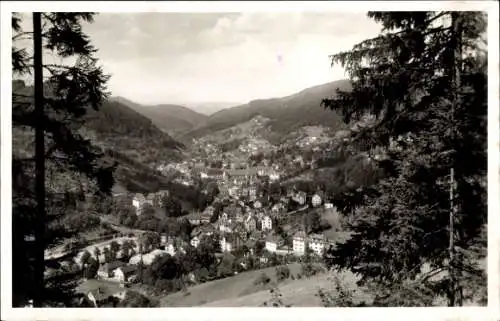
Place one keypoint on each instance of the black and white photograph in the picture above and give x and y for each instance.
(253, 158)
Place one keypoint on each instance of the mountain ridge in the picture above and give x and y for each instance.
(287, 113)
(170, 118)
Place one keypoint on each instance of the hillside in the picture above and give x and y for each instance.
(286, 114)
(240, 290)
(125, 136)
(172, 119)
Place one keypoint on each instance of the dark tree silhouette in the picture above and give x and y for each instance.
(60, 100)
(424, 80)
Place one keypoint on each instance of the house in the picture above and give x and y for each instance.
(229, 242)
(105, 271)
(278, 208)
(146, 259)
(257, 204)
(328, 205)
(205, 218)
(274, 176)
(124, 274)
(225, 245)
(299, 243)
(138, 202)
(194, 218)
(267, 223)
(195, 241)
(250, 223)
(316, 200)
(252, 193)
(170, 247)
(317, 243)
(300, 198)
(100, 294)
(273, 243)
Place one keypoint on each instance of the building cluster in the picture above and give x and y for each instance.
(140, 200)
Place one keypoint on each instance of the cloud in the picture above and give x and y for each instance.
(199, 57)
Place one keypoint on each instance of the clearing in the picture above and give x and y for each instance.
(240, 290)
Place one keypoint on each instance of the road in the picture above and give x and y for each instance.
(59, 251)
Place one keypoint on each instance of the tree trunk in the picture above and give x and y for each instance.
(39, 267)
(455, 293)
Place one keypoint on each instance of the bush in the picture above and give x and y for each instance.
(262, 279)
(282, 273)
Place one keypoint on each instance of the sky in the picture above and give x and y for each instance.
(162, 58)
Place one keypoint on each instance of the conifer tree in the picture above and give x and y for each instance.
(61, 95)
(418, 229)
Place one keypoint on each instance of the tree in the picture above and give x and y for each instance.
(282, 273)
(126, 249)
(84, 260)
(312, 222)
(90, 270)
(60, 101)
(107, 255)
(424, 80)
(172, 206)
(97, 253)
(114, 248)
(135, 299)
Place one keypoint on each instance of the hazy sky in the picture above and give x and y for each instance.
(235, 57)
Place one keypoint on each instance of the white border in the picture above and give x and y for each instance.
(490, 313)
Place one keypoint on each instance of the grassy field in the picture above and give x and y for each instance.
(228, 288)
(297, 293)
(240, 291)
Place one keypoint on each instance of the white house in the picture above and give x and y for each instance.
(170, 248)
(267, 223)
(300, 198)
(148, 258)
(328, 205)
(272, 243)
(139, 200)
(250, 223)
(124, 274)
(316, 200)
(225, 245)
(317, 244)
(195, 241)
(299, 243)
(274, 176)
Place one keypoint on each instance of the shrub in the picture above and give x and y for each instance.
(262, 279)
(282, 273)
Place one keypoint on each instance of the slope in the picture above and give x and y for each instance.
(286, 114)
(126, 137)
(172, 119)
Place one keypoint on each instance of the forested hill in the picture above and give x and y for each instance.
(287, 114)
(126, 137)
(127, 130)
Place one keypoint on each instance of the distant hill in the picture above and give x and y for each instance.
(172, 119)
(286, 114)
(209, 108)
